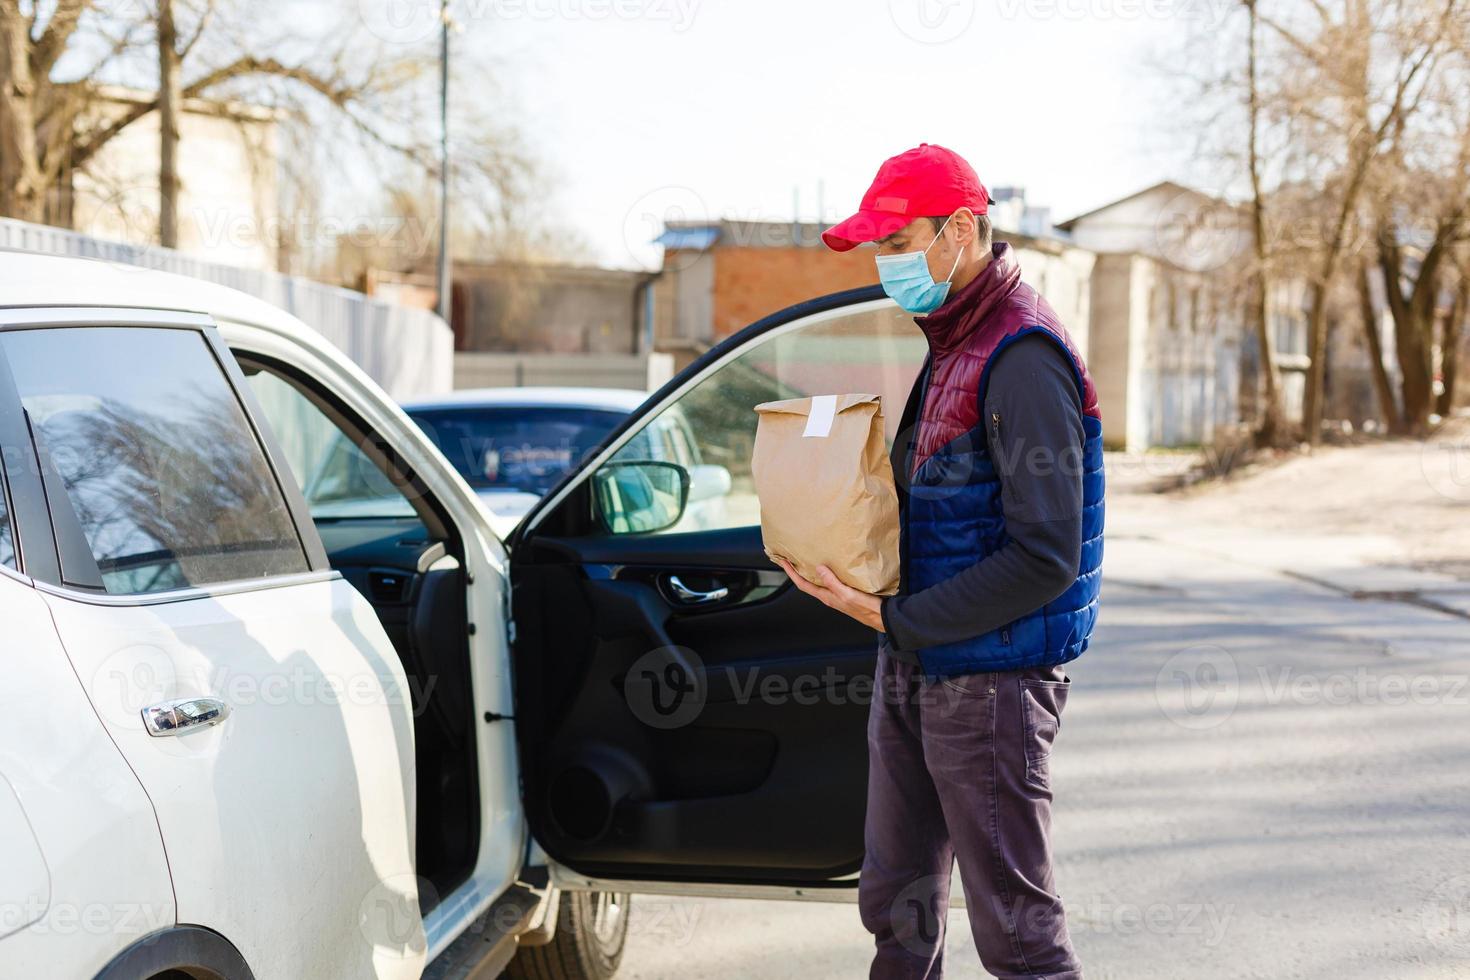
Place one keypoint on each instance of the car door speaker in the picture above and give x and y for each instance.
(584, 794)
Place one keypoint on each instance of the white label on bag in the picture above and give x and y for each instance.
(819, 419)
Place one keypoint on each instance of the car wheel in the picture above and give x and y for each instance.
(591, 928)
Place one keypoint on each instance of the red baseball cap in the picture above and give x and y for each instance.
(927, 181)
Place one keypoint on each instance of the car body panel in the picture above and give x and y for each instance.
(69, 801)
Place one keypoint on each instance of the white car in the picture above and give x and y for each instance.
(512, 445)
(257, 724)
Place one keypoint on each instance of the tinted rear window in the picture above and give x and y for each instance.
(165, 475)
(525, 448)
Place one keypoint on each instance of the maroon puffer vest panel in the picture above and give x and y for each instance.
(963, 334)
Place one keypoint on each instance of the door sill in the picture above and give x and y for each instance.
(840, 890)
(488, 943)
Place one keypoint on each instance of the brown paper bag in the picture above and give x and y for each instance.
(826, 489)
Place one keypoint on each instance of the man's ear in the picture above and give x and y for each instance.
(963, 222)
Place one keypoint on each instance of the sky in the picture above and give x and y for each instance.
(642, 110)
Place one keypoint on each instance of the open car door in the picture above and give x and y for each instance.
(686, 716)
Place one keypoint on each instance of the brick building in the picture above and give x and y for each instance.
(721, 276)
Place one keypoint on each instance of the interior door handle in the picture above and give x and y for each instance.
(693, 597)
(184, 714)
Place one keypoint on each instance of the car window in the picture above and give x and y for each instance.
(167, 479)
(7, 538)
(676, 448)
(337, 478)
(641, 446)
(683, 441)
(525, 448)
(866, 349)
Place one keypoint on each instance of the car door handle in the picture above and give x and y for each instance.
(693, 597)
(184, 714)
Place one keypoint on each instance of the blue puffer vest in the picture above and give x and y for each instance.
(951, 513)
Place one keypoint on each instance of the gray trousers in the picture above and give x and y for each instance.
(958, 771)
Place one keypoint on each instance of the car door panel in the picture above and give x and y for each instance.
(289, 820)
(360, 412)
(687, 715)
(782, 683)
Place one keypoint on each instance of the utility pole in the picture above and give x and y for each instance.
(444, 279)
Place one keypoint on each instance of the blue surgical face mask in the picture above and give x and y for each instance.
(906, 279)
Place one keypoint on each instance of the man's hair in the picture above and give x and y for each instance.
(982, 229)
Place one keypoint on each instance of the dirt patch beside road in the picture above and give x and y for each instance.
(1412, 496)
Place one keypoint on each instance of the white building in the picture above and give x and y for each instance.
(228, 196)
(1170, 317)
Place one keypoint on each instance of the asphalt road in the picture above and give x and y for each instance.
(1257, 776)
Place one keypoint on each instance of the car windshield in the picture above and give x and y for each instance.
(525, 448)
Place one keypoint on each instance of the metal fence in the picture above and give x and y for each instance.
(408, 351)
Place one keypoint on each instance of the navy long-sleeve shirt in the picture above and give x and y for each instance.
(1032, 389)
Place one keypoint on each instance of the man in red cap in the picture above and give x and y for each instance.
(999, 470)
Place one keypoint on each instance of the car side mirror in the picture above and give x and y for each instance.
(639, 496)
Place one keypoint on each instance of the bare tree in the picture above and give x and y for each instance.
(1344, 60)
(1270, 428)
(365, 94)
(1422, 213)
(40, 114)
(1377, 366)
(173, 49)
(1413, 302)
(1454, 334)
(1456, 327)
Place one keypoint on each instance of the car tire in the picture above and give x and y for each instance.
(591, 929)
